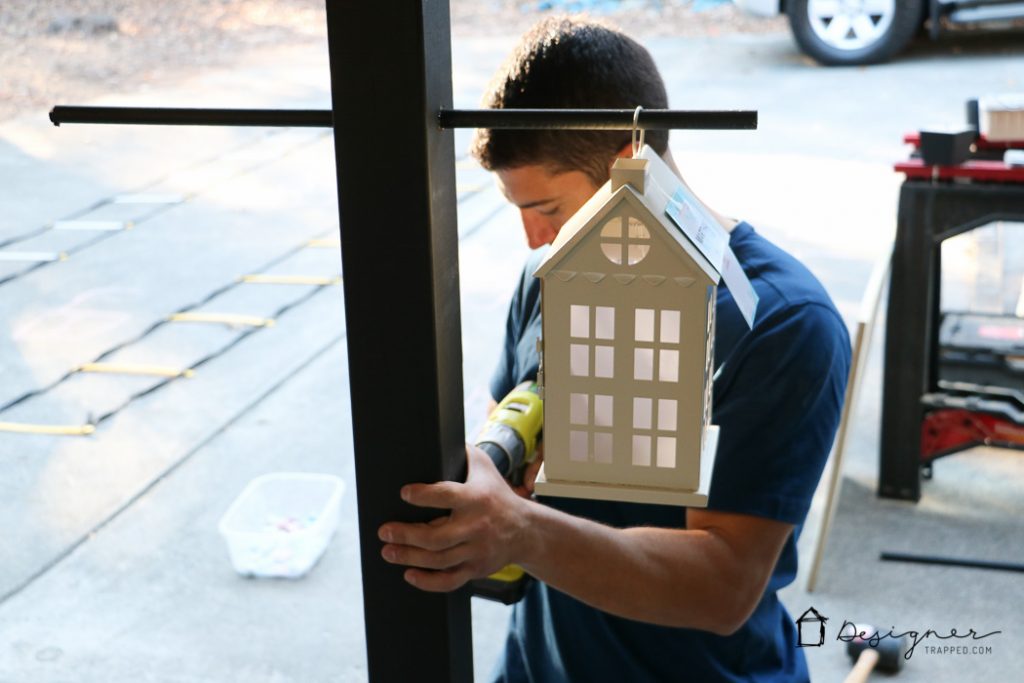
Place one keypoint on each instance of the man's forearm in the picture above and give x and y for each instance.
(672, 577)
(709, 576)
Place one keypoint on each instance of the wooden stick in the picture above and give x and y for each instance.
(861, 346)
(864, 666)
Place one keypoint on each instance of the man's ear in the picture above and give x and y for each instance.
(625, 152)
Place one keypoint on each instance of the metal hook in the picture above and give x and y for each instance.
(634, 143)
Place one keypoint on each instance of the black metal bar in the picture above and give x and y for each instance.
(399, 247)
(951, 561)
(597, 119)
(169, 116)
(568, 119)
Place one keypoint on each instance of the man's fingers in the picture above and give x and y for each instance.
(434, 536)
(443, 495)
(437, 581)
(530, 475)
(425, 559)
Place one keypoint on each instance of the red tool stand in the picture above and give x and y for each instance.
(923, 418)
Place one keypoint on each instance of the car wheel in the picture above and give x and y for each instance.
(837, 32)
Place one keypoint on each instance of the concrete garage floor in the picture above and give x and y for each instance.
(113, 568)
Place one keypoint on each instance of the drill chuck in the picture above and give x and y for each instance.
(511, 433)
(505, 447)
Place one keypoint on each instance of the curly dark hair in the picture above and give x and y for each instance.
(571, 63)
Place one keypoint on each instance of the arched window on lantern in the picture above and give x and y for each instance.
(629, 246)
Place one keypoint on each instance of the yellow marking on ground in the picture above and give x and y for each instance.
(34, 256)
(136, 369)
(56, 430)
(223, 318)
(324, 244)
(290, 280)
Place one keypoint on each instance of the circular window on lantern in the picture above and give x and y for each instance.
(625, 247)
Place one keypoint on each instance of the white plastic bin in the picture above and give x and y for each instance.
(281, 523)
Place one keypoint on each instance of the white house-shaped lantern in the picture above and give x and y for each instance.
(628, 309)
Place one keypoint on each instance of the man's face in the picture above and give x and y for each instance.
(545, 200)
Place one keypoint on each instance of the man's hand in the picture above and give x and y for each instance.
(724, 560)
(525, 490)
(483, 532)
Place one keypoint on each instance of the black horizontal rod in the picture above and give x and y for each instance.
(951, 561)
(563, 119)
(166, 116)
(597, 119)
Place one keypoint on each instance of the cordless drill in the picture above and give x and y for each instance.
(510, 438)
(512, 430)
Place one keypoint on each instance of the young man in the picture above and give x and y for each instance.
(642, 592)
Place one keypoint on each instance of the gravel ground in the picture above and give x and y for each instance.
(636, 17)
(71, 51)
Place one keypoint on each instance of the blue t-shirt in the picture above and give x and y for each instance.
(778, 393)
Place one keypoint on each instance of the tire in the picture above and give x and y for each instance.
(875, 30)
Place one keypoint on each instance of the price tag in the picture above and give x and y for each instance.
(705, 233)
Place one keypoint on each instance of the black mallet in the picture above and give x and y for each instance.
(869, 651)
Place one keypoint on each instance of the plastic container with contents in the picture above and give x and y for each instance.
(281, 523)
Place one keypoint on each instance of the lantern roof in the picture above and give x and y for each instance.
(649, 204)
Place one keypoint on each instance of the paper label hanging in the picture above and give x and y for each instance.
(705, 233)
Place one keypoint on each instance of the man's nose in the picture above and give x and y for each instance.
(529, 218)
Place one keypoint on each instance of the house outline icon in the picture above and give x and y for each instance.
(808, 635)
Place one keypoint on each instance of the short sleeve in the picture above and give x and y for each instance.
(778, 401)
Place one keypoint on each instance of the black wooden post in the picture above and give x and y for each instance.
(390, 74)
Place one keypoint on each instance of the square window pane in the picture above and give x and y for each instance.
(643, 363)
(642, 450)
(641, 413)
(667, 414)
(579, 321)
(579, 360)
(603, 448)
(668, 366)
(666, 451)
(603, 408)
(644, 328)
(578, 446)
(604, 361)
(579, 405)
(604, 322)
(670, 327)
